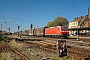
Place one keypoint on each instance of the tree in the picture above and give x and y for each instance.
(59, 21)
(49, 24)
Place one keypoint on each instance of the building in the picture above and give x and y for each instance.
(80, 25)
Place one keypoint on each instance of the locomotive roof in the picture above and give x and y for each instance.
(58, 26)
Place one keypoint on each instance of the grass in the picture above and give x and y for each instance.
(10, 55)
(16, 45)
(5, 56)
(36, 53)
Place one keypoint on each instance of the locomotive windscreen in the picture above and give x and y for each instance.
(64, 28)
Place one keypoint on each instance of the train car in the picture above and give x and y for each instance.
(38, 32)
(58, 31)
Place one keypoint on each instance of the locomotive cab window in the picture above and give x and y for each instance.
(64, 28)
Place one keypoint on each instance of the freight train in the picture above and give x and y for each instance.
(57, 31)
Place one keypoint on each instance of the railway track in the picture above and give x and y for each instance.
(76, 49)
(79, 50)
(7, 48)
(19, 53)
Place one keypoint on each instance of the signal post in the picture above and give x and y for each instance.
(61, 48)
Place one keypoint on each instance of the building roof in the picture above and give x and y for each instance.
(80, 18)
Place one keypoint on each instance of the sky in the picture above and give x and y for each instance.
(14, 13)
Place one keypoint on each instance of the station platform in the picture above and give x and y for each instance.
(79, 37)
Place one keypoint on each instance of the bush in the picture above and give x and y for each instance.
(3, 38)
(16, 45)
(5, 56)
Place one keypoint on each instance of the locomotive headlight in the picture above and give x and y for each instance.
(60, 50)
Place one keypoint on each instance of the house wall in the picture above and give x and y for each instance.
(74, 24)
(77, 23)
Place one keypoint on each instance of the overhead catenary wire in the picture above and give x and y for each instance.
(76, 9)
(17, 15)
(69, 8)
(40, 5)
(45, 1)
(24, 10)
(51, 6)
(19, 11)
(2, 13)
(4, 19)
(73, 7)
(30, 6)
(56, 7)
(20, 7)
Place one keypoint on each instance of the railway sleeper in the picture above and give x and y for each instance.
(86, 54)
(77, 48)
(79, 57)
(44, 45)
(23, 56)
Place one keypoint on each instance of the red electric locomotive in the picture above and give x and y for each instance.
(58, 31)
